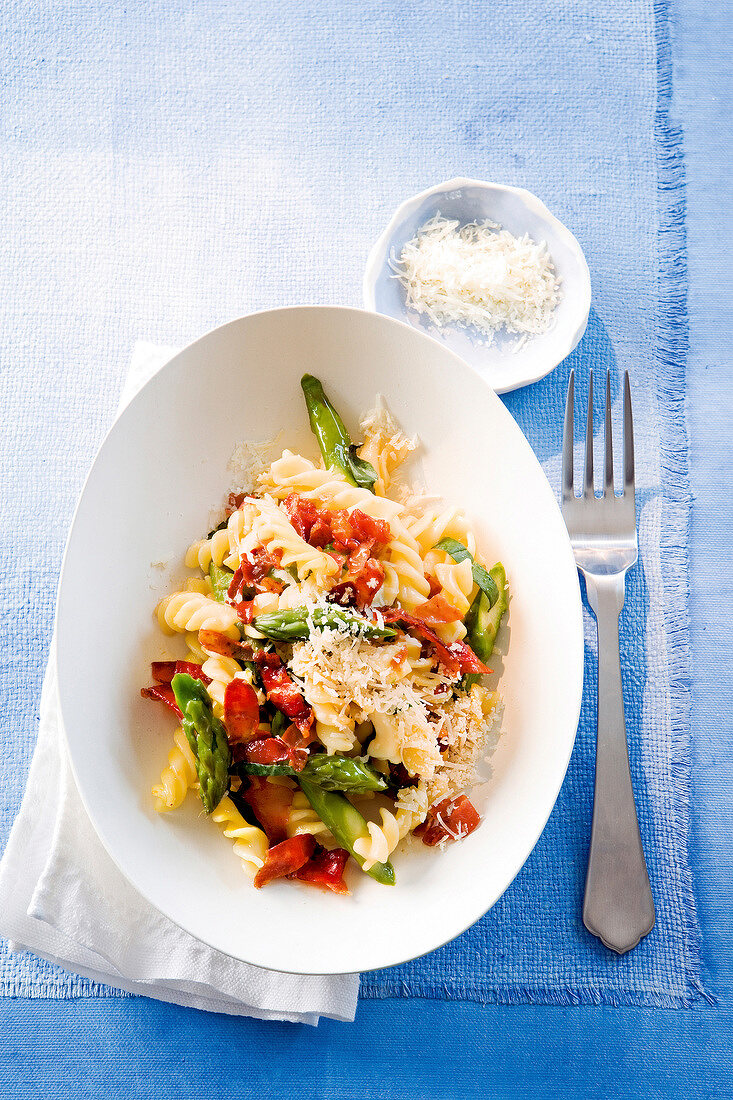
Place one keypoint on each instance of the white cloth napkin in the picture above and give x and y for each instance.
(63, 898)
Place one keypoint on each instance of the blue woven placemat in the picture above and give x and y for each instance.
(242, 186)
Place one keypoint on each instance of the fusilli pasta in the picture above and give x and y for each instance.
(188, 611)
(272, 528)
(405, 578)
(216, 548)
(222, 671)
(293, 473)
(382, 841)
(333, 737)
(250, 843)
(428, 525)
(457, 586)
(302, 818)
(177, 776)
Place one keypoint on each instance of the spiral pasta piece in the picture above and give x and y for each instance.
(387, 738)
(457, 586)
(456, 583)
(295, 474)
(420, 754)
(404, 571)
(202, 585)
(196, 651)
(401, 739)
(222, 671)
(215, 548)
(272, 529)
(188, 611)
(380, 844)
(420, 666)
(176, 778)
(429, 525)
(265, 602)
(239, 532)
(302, 818)
(333, 726)
(250, 843)
(334, 738)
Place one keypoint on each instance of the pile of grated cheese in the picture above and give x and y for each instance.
(479, 275)
(360, 680)
(363, 678)
(249, 460)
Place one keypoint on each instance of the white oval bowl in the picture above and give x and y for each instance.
(520, 212)
(159, 473)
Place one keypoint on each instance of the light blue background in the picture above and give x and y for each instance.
(394, 1049)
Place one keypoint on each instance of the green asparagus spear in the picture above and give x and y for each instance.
(206, 736)
(246, 768)
(288, 626)
(220, 579)
(482, 578)
(330, 773)
(346, 824)
(483, 620)
(333, 439)
(340, 773)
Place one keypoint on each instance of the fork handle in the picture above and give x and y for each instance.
(618, 905)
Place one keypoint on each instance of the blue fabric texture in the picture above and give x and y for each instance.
(333, 121)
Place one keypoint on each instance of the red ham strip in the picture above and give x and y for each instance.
(366, 574)
(458, 818)
(457, 657)
(266, 750)
(215, 642)
(361, 589)
(274, 750)
(245, 610)
(164, 671)
(326, 869)
(344, 594)
(255, 567)
(357, 562)
(164, 694)
(311, 522)
(367, 529)
(241, 711)
(348, 531)
(282, 690)
(270, 805)
(235, 584)
(436, 611)
(285, 859)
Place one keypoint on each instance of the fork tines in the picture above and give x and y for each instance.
(568, 488)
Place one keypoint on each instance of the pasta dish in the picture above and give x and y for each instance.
(338, 627)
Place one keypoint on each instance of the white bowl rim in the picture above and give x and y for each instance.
(378, 254)
(577, 614)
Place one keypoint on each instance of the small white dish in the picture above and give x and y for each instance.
(159, 473)
(504, 365)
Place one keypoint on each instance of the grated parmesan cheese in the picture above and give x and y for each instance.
(248, 461)
(360, 681)
(479, 275)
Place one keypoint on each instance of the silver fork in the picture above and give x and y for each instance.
(618, 905)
